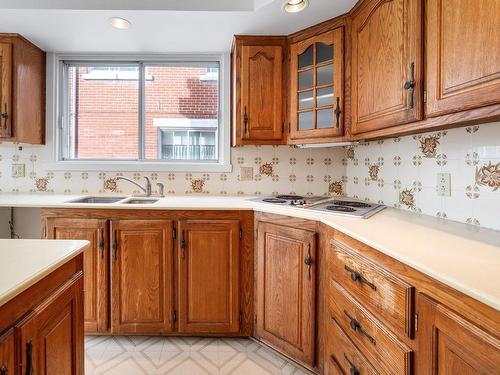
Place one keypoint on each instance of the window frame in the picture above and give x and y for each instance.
(57, 102)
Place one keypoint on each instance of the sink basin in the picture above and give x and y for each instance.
(97, 200)
(140, 201)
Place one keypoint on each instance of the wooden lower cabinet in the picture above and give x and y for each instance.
(7, 353)
(95, 265)
(209, 276)
(142, 276)
(286, 278)
(450, 345)
(50, 338)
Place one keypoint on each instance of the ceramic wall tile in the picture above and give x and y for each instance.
(408, 168)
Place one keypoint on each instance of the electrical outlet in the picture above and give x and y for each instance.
(18, 170)
(246, 173)
(443, 184)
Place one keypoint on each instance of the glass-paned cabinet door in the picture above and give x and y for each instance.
(317, 86)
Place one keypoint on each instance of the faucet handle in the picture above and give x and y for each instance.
(161, 189)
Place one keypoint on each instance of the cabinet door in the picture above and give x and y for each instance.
(286, 275)
(209, 276)
(386, 64)
(7, 361)
(95, 265)
(450, 345)
(5, 90)
(463, 49)
(317, 86)
(141, 276)
(51, 337)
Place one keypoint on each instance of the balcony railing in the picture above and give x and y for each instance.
(188, 152)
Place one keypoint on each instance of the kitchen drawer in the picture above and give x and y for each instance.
(342, 356)
(385, 295)
(375, 341)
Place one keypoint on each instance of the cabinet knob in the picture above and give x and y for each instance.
(353, 370)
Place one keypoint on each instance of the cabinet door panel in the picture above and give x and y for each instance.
(285, 290)
(95, 265)
(209, 276)
(5, 90)
(386, 53)
(450, 345)
(261, 92)
(142, 276)
(51, 337)
(463, 49)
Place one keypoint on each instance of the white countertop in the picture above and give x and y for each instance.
(464, 257)
(25, 262)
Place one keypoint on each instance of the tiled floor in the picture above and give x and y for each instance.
(137, 355)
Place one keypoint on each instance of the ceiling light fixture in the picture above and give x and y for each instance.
(120, 23)
(294, 6)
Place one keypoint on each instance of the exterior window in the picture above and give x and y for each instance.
(140, 111)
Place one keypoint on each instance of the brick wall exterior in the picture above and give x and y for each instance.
(108, 109)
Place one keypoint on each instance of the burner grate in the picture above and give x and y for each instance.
(340, 208)
(352, 204)
(290, 197)
(273, 200)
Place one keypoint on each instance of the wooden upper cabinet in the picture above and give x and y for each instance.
(95, 265)
(316, 87)
(451, 345)
(386, 64)
(286, 278)
(50, 338)
(142, 276)
(22, 90)
(463, 55)
(259, 87)
(209, 276)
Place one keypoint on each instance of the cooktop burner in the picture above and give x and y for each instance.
(290, 197)
(340, 208)
(273, 200)
(352, 204)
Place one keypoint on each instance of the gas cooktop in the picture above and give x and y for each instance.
(339, 206)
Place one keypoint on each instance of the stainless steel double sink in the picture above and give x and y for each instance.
(111, 200)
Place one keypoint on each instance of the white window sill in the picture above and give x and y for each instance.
(133, 166)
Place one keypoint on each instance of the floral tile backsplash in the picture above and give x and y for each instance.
(399, 172)
(402, 173)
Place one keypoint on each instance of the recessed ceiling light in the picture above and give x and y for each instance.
(294, 6)
(120, 23)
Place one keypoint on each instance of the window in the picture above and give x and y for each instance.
(167, 113)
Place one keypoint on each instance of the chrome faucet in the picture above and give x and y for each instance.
(146, 189)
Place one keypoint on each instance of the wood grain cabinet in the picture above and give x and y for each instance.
(142, 276)
(22, 90)
(386, 64)
(259, 85)
(316, 87)
(50, 338)
(450, 345)
(7, 353)
(95, 265)
(286, 279)
(209, 276)
(462, 49)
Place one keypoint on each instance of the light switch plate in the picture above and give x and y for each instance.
(246, 173)
(18, 170)
(443, 184)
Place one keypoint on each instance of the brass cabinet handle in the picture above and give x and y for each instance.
(245, 121)
(356, 276)
(353, 370)
(338, 112)
(308, 261)
(29, 359)
(410, 85)
(183, 246)
(357, 327)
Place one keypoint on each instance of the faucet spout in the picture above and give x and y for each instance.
(144, 189)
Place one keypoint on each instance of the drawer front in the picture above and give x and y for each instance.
(368, 333)
(342, 356)
(387, 296)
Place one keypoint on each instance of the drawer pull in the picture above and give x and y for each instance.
(356, 276)
(29, 359)
(308, 261)
(356, 326)
(4, 370)
(353, 370)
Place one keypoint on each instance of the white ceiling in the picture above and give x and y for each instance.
(162, 26)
